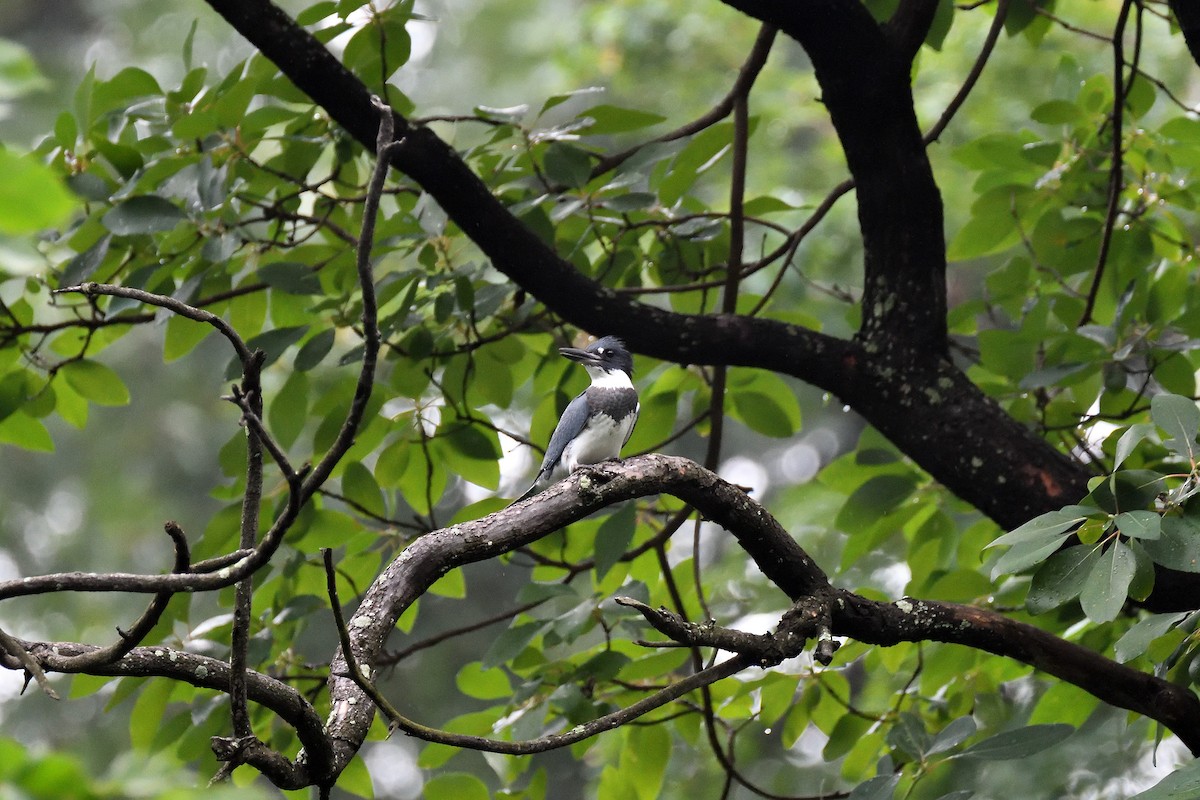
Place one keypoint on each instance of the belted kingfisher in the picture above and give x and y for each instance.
(597, 423)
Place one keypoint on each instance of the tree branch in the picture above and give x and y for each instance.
(209, 673)
(909, 25)
(777, 555)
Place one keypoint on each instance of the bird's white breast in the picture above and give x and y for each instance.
(600, 441)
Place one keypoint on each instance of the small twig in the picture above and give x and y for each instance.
(254, 423)
(985, 52)
(766, 649)
(391, 659)
(385, 145)
(179, 307)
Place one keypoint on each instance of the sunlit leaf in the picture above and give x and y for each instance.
(32, 197)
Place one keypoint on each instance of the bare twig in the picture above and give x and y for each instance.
(171, 304)
(1117, 166)
(385, 145)
(960, 97)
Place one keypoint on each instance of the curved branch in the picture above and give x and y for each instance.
(587, 730)
(909, 620)
(207, 673)
(775, 553)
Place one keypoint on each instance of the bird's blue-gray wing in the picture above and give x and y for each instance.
(637, 410)
(570, 424)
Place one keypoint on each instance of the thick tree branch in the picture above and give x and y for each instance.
(1187, 14)
(863, 71)
(209, 673)
(777, 555)
(909, 25)
(578, 733)
(909, 620)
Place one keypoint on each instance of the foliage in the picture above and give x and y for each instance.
(226, 202)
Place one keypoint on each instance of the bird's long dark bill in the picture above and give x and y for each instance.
(575, 354)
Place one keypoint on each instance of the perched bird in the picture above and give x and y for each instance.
(597, 423)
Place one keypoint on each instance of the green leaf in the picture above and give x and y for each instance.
(355, 779)
(273, 343)
(873, 500)
(1139, 524)
(358, 485)
(646, 753)
(509, 644)
(313, 351)
(981, 236)
(1107, 585)
(453, 584)
(1180, 419)
(1056, 112)
(32, 197)
(143, 214)
(765, 413)
(909, 736)
(567, 165)
(882, 787)
(612, 119)
(1019, 743)
(1182, 784)
(1137, 639)
(1178, 546)
(483, 684)
(1129, 441)
(454, 786)
(181, 337)
(380, 48)
(288, 411)
(472, 453)
(147, 716)
(613, 538)
(1060, 578)
(845, 734)
(1044, 525)
(26, 432)
(951, 736)
(291, 277)
(81, 267)
(96, 382)
(19, 74)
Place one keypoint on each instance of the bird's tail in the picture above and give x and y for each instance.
(533, 489)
